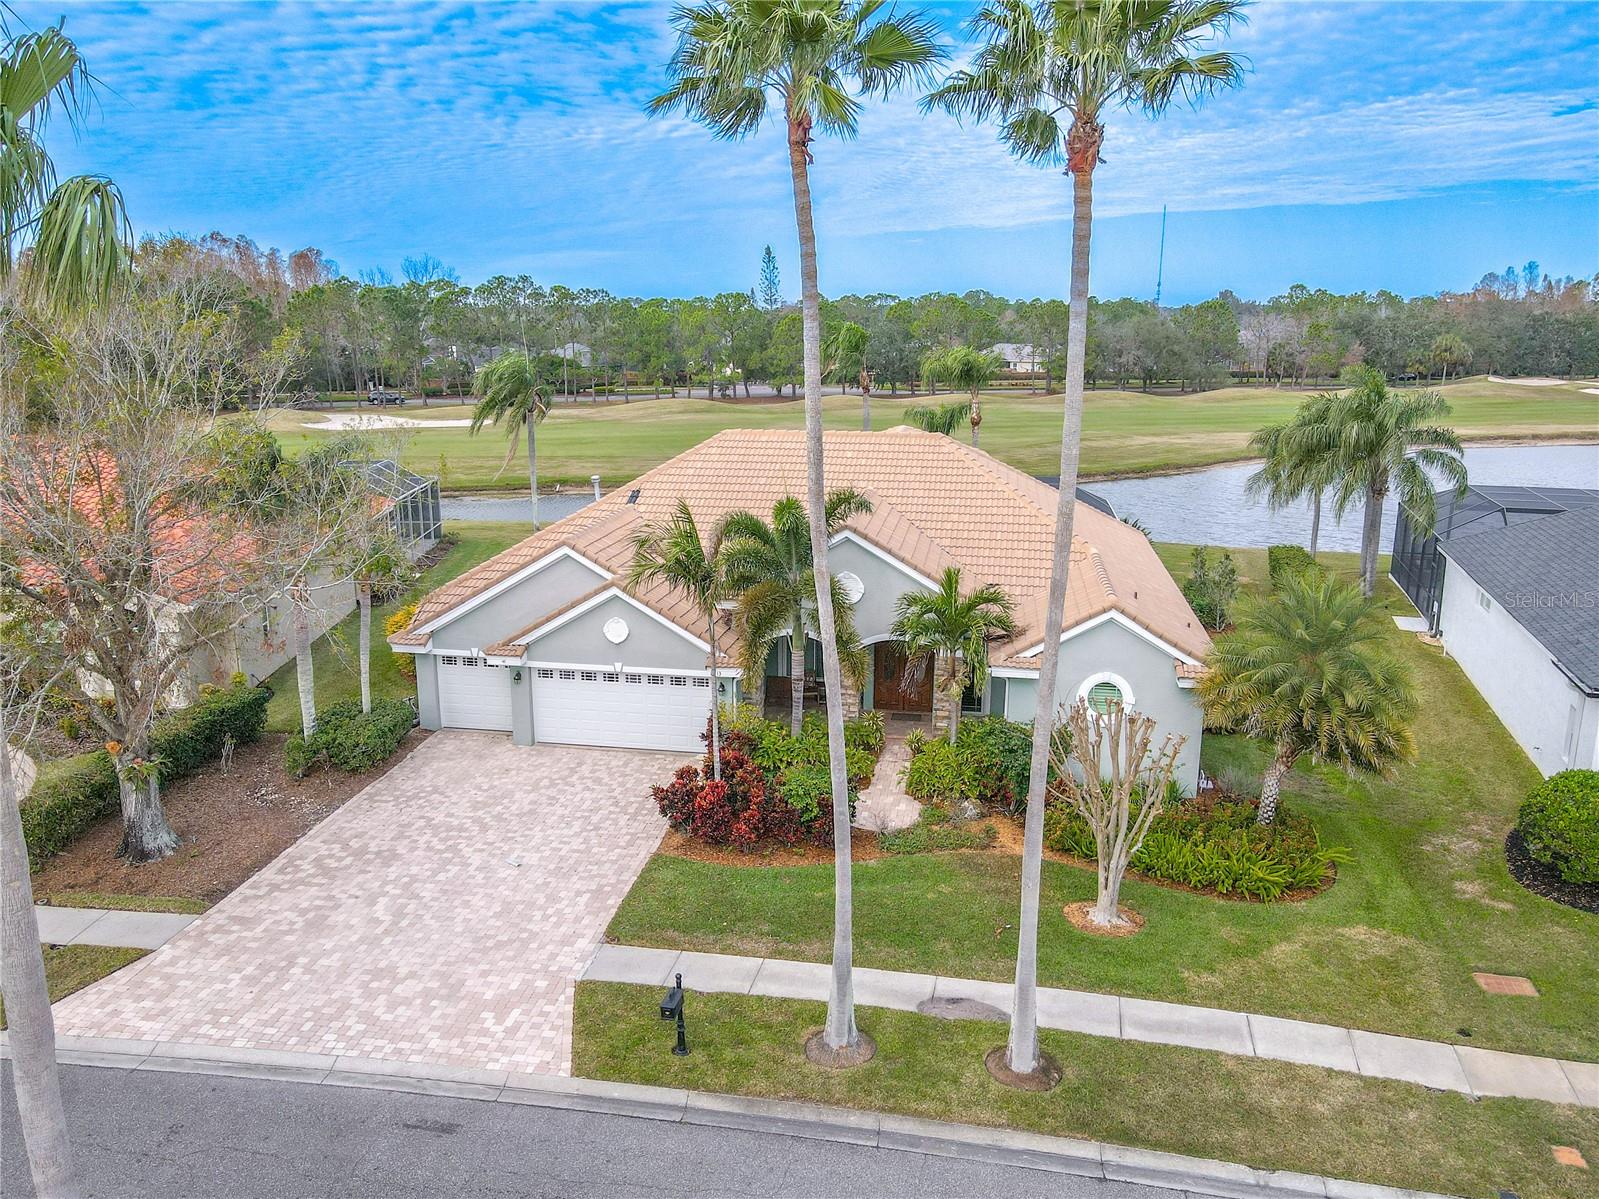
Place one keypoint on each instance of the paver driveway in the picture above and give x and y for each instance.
(442, 915)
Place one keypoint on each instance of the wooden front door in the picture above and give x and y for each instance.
(891, 690)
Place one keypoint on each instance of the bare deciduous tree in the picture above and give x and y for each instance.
(1113, 781)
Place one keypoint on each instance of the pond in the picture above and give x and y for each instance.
(1202, 506)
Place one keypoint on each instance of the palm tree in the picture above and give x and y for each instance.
(674, 553)
(1289, 471)
(944, 625)
(770, 567)
(1041, 62)
(845, 352)
(968, 370)
(945, 419)
(1449, 350)
(1306, 668)
(76, 240)
(733, 59)
(512, 390)
(73, 234)
(1375, 441)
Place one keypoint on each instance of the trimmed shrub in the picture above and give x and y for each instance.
(1214, 845)
(351, 739)
(1001, 757)
(940, 773)
(396, 622)
(71, 794)
(1285, 561)
(771, 747)
(809, 791)
(1559, 823)
(935, 832)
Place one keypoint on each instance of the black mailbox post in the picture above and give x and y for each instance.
(672, 1009)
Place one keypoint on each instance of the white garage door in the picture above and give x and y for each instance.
(629, 709)
(473, 694)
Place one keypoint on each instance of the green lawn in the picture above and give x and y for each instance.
(1123, 432)
(69, 968)
(1271, 1115)
(128, 903)
(333, 656)
(1390, 947)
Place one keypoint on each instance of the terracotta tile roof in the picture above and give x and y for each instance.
(936, 503)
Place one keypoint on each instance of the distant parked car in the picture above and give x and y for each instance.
(384, 397)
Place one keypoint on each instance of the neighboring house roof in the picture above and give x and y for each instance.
(935, 503)
(1545, 574)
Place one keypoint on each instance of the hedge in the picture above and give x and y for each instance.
(351, 739)
(73, 793)
(1559, 823)
(1283, 561)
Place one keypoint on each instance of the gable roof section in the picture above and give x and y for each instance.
(1545, 574)
(936, 503)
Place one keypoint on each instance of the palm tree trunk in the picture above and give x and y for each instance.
(955, 691)
(303, 670)
(32, 1035)
(796, 678)
(977, 418)
(1315, 522)
(716, 721)
(363, 602)
(533, 465)
(1271, 783)
(1022, 1048)
(1370, 540)
(866, 408)
(840, 1032)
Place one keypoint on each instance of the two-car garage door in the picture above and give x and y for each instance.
(630, 709)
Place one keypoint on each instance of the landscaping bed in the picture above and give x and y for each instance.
(230, 824)
(1543, 879)
(1268, 1114)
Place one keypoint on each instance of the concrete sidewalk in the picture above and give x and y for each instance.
(97, 926)
(1463, 1068)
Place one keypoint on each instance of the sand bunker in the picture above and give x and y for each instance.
(1528, 382)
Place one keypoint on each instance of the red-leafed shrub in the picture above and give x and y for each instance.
(741, 809)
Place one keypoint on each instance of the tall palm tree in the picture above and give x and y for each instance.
(76, 240)
(968, 370)
(73, 234)
(945, 626)
(734, 58)
(1448, 349)
(1306, 667)
(945, 419)
(1042, 62)
(845, 353)
(1290, 470)
(770, 566)
(1380, 441)
(512, 390)
(673, 552)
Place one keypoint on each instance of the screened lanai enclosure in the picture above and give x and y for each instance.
(1418, 565)
(414, 504)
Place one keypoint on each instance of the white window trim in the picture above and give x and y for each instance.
(1132, 626)
(526, 572)
(611, 592)
(856, 539)
(722, 672)
(1114, 679)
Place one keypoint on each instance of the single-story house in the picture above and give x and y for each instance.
(549, 642)
(1508, 578)
(1019, 356)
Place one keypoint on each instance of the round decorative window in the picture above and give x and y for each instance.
(1102, 695)
(615, 630)
(850, 584)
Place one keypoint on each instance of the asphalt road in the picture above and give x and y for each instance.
(154, 1134)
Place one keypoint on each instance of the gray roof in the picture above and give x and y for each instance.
(1545, 573)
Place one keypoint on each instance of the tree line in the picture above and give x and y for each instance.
(427, 332)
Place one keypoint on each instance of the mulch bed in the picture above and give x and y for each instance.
(230, 825)
(1545, 880)
(863, 848)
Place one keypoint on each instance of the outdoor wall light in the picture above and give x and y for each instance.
(672, 1009)
(516, 675)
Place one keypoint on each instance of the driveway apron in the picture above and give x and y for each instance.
(441, 916)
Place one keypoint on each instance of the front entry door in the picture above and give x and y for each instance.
(891, 690)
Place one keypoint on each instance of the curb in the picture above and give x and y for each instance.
(996, 1146)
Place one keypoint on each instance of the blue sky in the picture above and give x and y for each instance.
(1409, 146)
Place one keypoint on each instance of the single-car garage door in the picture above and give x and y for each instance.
(473, 694)
(628, 709)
